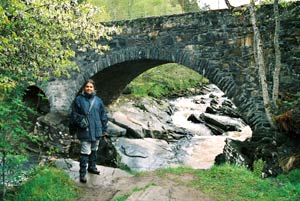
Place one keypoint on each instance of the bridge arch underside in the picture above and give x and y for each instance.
(115, 70)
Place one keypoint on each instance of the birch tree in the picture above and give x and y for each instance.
(259, 59)
(277, 67)
(260, 62)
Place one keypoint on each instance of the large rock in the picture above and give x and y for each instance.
(144, 154)
(221, 124)
(234, 152)
(143, 117)
(279, 153)
(54, 127)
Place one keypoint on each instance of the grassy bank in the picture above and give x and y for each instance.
(46, 184)
(227, 182)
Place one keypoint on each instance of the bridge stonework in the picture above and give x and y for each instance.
(217, 44)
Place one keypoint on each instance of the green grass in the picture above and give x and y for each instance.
(225, 182)
(165, 80)
(48, 184)
(229, 182)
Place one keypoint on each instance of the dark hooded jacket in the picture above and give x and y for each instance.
(97, 117)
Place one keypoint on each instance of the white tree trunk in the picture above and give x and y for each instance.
(229, 6)
(277, 55)
(261, 63)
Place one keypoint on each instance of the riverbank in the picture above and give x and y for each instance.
(223, 182)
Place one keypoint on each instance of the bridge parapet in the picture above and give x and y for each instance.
(214, 43)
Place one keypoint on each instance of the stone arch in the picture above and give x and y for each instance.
(250, 107)
(36, 98)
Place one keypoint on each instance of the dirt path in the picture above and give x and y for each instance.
(113, 183)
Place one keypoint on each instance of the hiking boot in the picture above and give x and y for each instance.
(82, 179)
(93, 171)
(82, 167)
(92, 163)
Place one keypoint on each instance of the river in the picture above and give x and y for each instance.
(203, 146)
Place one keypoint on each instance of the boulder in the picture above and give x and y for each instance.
(279, 153)
(54, 127)
(221, 124)
(144, 154)
(143, 118)
(114, 130)
(226, 108)
(235, 152)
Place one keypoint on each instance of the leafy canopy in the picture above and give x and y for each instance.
(38, 38)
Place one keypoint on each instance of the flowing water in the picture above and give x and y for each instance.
(203, 147)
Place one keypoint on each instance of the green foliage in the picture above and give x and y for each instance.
(292, 100)
(11, 167)
(189, 5)
(288, 102)
(38, 37)
(13, 124)
(258, 167)
(37, 40)
(159, 81)
(130, 9)
(48, 184)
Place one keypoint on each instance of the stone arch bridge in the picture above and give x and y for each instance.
(217, 44)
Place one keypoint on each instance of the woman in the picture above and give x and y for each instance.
(89, 106)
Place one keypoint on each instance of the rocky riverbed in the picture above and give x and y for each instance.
(196, 130)
(180, 131)
(147, 134)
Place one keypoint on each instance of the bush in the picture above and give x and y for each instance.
(258, 166)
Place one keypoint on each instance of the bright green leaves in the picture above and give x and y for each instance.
(37, 35)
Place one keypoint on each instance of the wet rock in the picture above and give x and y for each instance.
(279, 153)
(114, 130)
(143, 118)
(193, 118)
(221, 124)
(235, 152)
(144, 154)
(226, 109)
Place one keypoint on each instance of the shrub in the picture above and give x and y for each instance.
(258, 166)
(48, 184)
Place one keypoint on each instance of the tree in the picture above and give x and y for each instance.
(259, 60)
(230, 7)
(189, 5)
(38, 38)
(277, 55)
